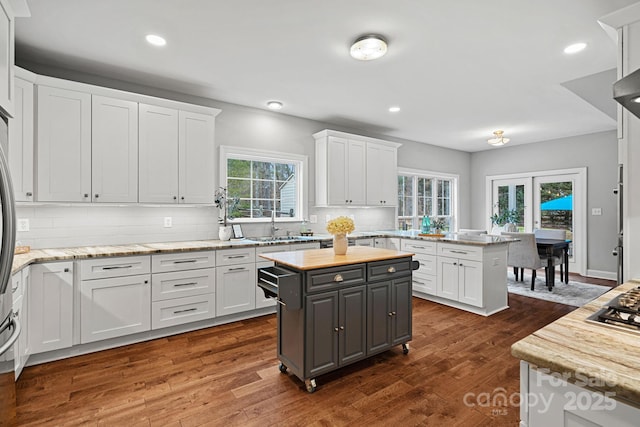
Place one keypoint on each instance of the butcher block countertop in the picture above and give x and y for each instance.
(321, 258)
(572, 346)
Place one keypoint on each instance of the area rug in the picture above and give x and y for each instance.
(573, 293)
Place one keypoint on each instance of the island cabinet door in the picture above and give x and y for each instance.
(321, 350)
(448, 278)
(401, 310)
(470, 283)
(352, 328)
(378, 317)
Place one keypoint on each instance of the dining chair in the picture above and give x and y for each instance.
(556, 234)
(522, 254)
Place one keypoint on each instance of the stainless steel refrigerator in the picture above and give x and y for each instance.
(9, 325)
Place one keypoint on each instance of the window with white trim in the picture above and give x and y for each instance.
(423, 193)
(261, 183)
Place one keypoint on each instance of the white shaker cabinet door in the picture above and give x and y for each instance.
(114, 156)
(235, 288)
(21, 142)
(63, 145)
(51, 306)
(158, 140)
(356, 185)
(381, 175)
(197, 157)
(7, 57)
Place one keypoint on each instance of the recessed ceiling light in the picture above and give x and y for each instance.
(156, 40)
(368, 47)
(274, 105)
(637, 100)
(575, 48)
(394, 109)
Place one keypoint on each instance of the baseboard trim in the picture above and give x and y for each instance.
(599, 274)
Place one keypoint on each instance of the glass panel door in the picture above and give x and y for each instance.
(513, 194)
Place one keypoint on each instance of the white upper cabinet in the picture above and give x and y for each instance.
(197, 157)
(21, 141)
(114, 155)
(158, 173)
(7, 57)
(64, 145)
(353, 170)
(382, 180)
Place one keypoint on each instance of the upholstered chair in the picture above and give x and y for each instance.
(548, 233)
(524, 254)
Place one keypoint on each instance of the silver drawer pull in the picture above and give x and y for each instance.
(13, 290)
(115, 267)
(235, 256)
(338, 278)
(184, 261)
(185, 310)
(418, 281)
(281, 302)
(185, 284)
(391, 269)
(237, 269)
(418, 247)
(458, 252)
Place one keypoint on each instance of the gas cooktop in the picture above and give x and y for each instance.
(622, 312)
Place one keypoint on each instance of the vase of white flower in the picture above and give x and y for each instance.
(339, 227)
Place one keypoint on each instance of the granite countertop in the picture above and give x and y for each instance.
(579, 349)
(323, 258)
(84, 252)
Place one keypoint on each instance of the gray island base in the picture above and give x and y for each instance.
(334, 310)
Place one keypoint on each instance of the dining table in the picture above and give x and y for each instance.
(550, 248)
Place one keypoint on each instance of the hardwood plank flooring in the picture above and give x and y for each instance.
(228, 376)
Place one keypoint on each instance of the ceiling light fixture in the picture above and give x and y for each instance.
(394, 109)
(575, 48)
(368, 47)
(274, 105)
(498, 139)
(637, 100)
(156, 40)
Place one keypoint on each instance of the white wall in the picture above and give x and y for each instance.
(597, 152)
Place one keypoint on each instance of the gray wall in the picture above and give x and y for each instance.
(597, 152)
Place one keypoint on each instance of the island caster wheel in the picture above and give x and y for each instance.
(405, 348)
(282, 368)
(311, 385)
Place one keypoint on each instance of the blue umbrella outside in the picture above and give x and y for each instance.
(560, 204)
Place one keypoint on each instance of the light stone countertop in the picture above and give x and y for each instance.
(84, 252)
(579, 349)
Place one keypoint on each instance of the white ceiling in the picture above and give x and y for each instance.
(459, 69)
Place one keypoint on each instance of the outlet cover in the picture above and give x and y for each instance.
(168, 222)
(596, 211)
(327, 218)
(313, 219)
(23, 224)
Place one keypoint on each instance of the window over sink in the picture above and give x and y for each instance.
(262, 183)
(426, 193)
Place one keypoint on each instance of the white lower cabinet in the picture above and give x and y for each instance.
(235, 288)
(460, 280)
(183, 288)
(51, 306)
(114, 307)
(20, 290)
(425, 277)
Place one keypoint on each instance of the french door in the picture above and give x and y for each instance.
(548, 200)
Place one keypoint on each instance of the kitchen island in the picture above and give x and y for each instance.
(576, 371)
(338, 309)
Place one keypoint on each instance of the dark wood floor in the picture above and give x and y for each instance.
(228, 376)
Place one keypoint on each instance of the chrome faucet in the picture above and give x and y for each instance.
(273, 225)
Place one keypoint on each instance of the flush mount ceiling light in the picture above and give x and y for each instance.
(155, 40)
(575, 48)
(368, 47)
(394, 109)
(498, 139)
(274, 105)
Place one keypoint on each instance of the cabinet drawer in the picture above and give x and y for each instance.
(424, 283)
(269, 249)
(473, 253)
(235, 256)
(102, 268)
(182, 284)
(418, 246)
(182, 261)
(428, 264)
(335, 277)
(182, 310)
(385, 270)
(17, 288)
(304, 246)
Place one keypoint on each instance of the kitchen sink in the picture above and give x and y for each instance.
(281, 239)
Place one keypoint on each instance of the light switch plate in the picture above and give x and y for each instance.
(168, 222)
(328, 218)
(596, 211)
(313, 219)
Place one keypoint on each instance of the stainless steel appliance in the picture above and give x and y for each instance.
(622, 312)
(9, 326)
(618, 250)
